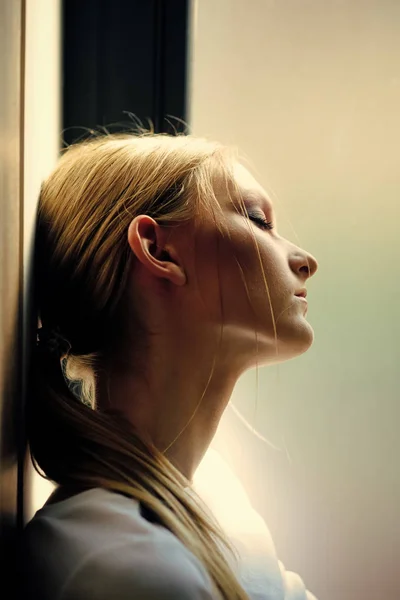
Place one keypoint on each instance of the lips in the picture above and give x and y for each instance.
(302, 297)
(302, 293)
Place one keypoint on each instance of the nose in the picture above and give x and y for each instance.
(303, 263)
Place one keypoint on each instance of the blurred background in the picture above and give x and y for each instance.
(310, 93)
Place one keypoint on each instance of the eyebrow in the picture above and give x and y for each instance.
(258, 198)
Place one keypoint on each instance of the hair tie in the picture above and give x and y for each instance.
(52, 341)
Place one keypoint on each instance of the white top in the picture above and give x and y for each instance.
(97, 545)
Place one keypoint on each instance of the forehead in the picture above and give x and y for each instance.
(250, 189)
(245, 179)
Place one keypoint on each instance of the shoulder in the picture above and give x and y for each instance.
(99, 546)
(147, 569)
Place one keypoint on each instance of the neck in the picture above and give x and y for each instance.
(176, 406)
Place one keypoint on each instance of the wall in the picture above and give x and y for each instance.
(310, 92)
(29, 125)
(11, 165)
(42, 142)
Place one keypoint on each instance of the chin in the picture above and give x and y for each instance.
(297, 341)
(292, 342)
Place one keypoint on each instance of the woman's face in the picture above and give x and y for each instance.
(217, 279)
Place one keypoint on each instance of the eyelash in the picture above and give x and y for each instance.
(262, 222)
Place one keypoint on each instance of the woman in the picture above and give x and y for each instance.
(161, 278)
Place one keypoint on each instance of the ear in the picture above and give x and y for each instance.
(148, 242)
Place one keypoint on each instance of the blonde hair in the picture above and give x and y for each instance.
(82, 263)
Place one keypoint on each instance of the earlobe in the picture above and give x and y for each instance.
(176, 274)
(169, 264)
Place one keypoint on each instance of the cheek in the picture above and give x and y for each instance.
(224, 267)
(256, 265)
(240, 266)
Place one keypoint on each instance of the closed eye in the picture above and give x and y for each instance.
(263, 223)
